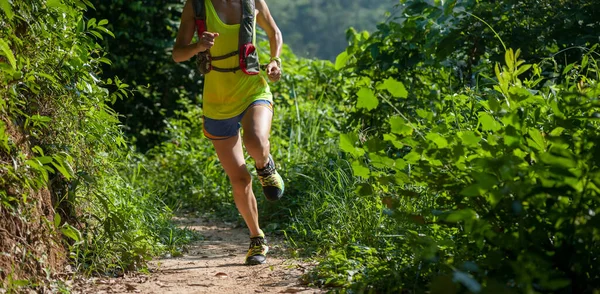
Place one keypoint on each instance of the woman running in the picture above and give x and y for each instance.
(234, 99)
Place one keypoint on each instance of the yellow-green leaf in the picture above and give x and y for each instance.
(3, 137)
(71, 232)
(469, 138)
(56, 4)
(399, 126)
(367, 99)
(395, 88)
(488, 123)
(537, 140)
(461, 215)
(347, 144)
(5, 6)
(440, 141)
(57, 220)
(62, 169)
(360, 170)
(557, 132)
(341, 60)
(5, 50)
(412, 157)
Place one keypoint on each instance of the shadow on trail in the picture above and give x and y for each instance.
(216, 265)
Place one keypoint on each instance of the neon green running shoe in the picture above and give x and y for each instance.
(257, 253)
(271, 181)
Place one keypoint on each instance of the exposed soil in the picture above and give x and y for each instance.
(29, 245)
(213, 265)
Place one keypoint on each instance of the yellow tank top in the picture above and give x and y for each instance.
(227, 95)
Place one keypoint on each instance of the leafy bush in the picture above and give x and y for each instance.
(66, 177)
(488, 184)
(513, 168)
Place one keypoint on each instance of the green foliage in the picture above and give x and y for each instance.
(457, 35)
(515, 169)
(488, 184)
(184, 171)
(144, 33)
(59, 134)
(512, 165)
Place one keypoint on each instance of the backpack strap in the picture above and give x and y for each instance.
(234, 53)
(248, 54)
(247, 51)
(203, 61)
(200, 16)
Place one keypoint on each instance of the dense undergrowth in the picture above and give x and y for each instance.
(68, 182)
(489, 181)
(430, 158)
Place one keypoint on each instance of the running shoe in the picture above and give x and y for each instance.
(257, 253)
(271, 181)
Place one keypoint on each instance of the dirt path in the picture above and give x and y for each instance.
(213, 265)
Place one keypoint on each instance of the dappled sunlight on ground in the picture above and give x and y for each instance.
(213, 265)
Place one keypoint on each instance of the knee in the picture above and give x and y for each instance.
(241, 179)
(256, 141)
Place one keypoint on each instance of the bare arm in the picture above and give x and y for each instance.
(183, 50)
(267, 23)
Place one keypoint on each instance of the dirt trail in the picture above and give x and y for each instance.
(213, 265)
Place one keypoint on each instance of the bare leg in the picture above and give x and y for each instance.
(257, 128)
(232, 159)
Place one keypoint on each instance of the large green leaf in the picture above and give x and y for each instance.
(3, 137)
(63, 167)
(412, 157)
(57, 220)
(395, 88)
(367, 99)
(71, 232)
(347, 144)
(393, 139)
(436, 138)
(488, 123)
(537, 140)
(381, 161)
(469, 138)
(360, 169)
(56, 4)
(398, 126)
(473, 190)
(341, 60)
(558, 161)
(461, 215)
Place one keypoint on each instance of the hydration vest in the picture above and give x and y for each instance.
(246, 52)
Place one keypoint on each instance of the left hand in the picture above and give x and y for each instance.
(273, 71)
